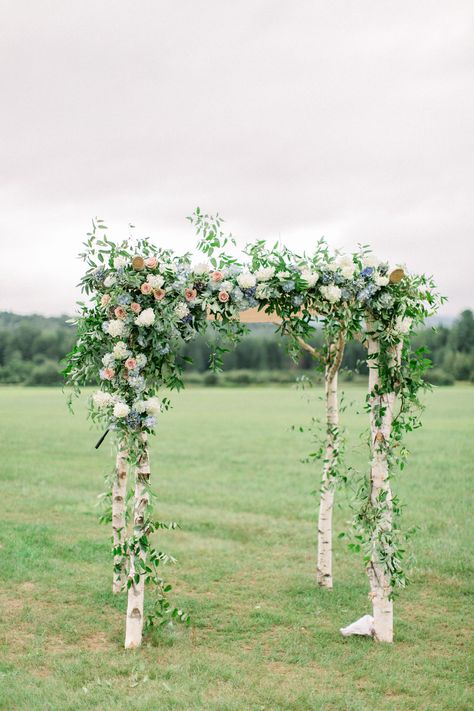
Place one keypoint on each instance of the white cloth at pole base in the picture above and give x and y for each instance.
(362, 626)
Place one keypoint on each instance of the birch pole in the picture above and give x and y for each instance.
(136, 591)
(119, 497)
(381, 417)
(328, 484)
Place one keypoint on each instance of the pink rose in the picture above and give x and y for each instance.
(146, 288)
(105, 299)
(223, 297)
(159, 294)
(190, 294)
(108, 373)
(136, 308)
(120, 312)
(131, 363)
(217, 276)
(151, 262)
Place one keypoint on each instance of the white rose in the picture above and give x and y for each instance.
(310, 277)
(119, 262)
(155, 281)
(121, 409)
(331, 267)
(153, 406)
(348, 271)
(346, 266)
(381, 280)
(181, 310)
(402, 325)
(246, 280)
(116, 328)
(265, 273)
(120, 351)
(146, 318)
(370, 260)
(201, 268)
(110, 280)
(331, 293)
(102, 399)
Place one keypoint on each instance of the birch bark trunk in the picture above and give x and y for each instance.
(136, 592)
(381, 418)
(119, 497)
(324, 556)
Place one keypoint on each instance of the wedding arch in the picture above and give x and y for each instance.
(144, 301)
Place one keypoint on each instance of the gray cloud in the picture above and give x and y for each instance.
(293, 120)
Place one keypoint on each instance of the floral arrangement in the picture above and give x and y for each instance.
(144, 301)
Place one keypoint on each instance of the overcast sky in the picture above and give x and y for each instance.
(294, 120)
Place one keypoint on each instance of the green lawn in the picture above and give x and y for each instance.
(226, 467)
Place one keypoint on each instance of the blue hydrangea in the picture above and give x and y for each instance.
(249, 293)
(105, 326)
(338, 279)
(187, 319)
(367, 272)
(164, 350)
(124, 299)
(288, 286)
(99, 274)
(150, 422)
(297, 300)
(345, 294)
(327, 277)
(137, 382)
(133, 419)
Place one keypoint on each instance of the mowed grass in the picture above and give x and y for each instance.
(226, 466)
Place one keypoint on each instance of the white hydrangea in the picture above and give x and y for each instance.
(261, 291)
(246, 280)
(153, 406)
(121, 409)
(402, 325)
(201, 268)
(226, 286)
(109, 280)
(265, 273)
(116, 328)
(381, 280)
(331, 293)
(108, 360)
(331, 267)
(283, 275)
(139, 406)
(370, 260)
(141, 360)
(120, 351)
(145, 318)
(310, 277)
(102, 399)
(181, 310)
(156, 281)
(119, 262)
(167, 267)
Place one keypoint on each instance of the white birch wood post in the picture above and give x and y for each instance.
(381, 417)
(324, 555)
(119, 497)
(136, 592)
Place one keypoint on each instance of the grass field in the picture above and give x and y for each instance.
(263, 637)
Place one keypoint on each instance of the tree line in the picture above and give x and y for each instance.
(32, 347)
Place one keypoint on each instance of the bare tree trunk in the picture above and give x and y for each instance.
(119, 496)
(381, 418)
(324, 558)
(136, 591)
